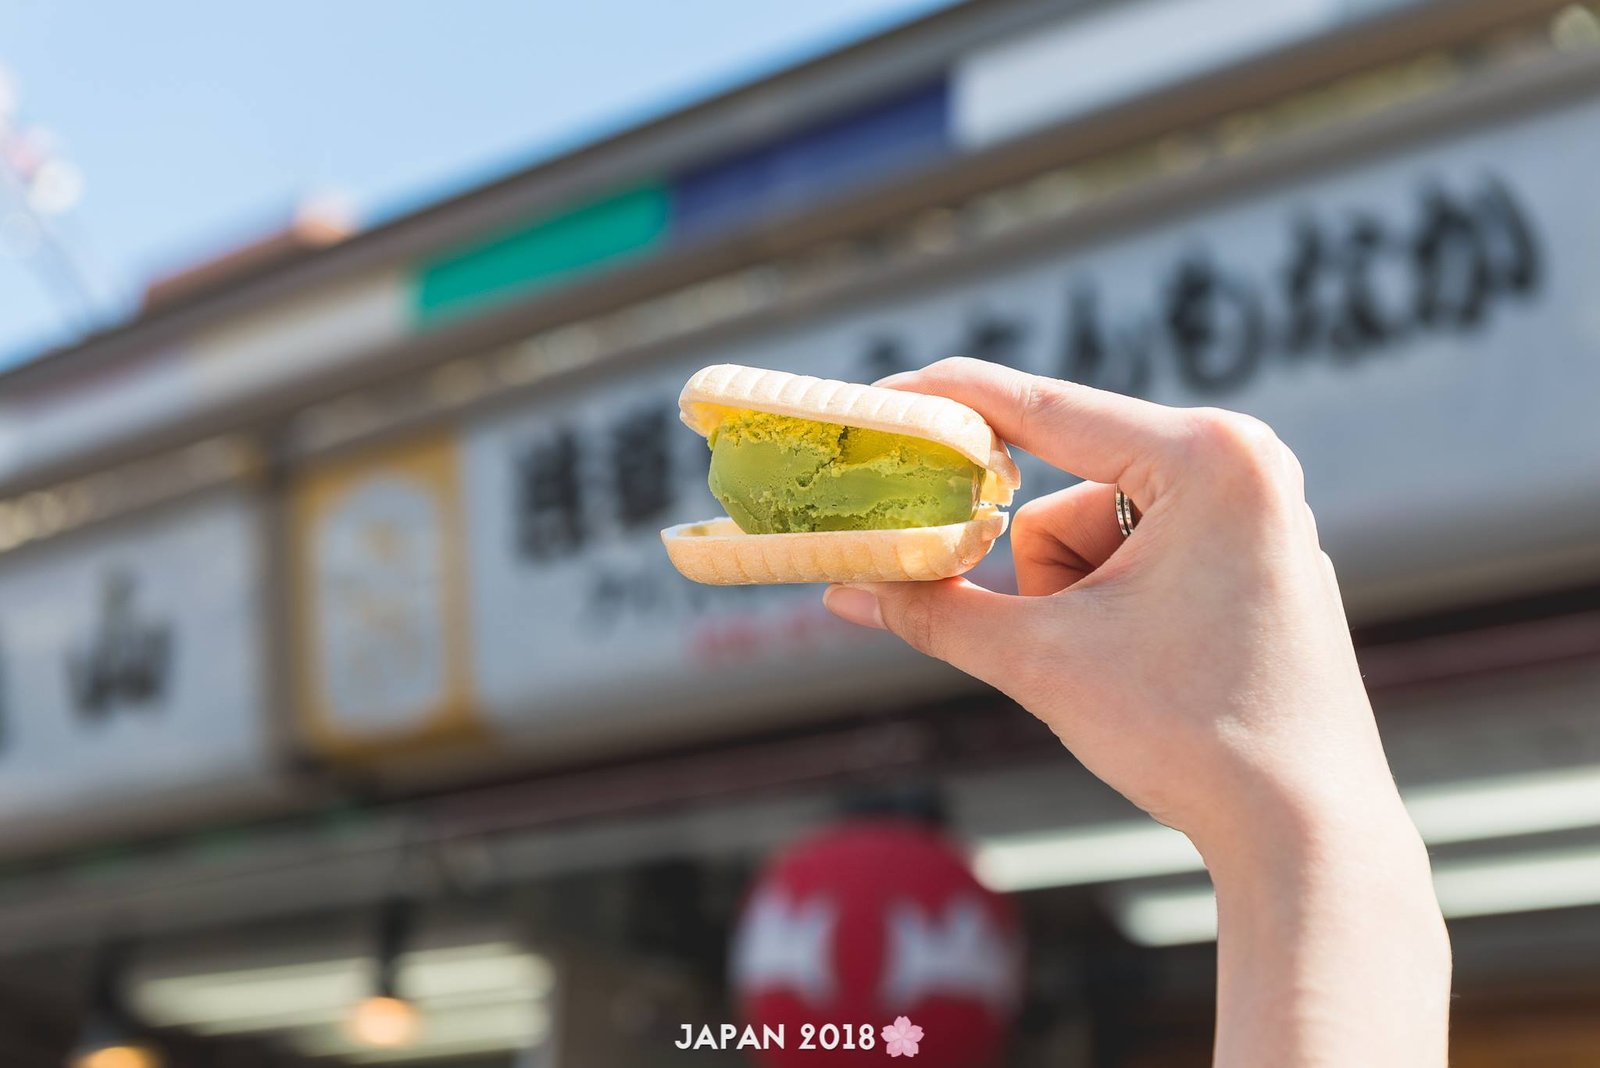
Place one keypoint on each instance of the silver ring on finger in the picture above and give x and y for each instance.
(1127, 514)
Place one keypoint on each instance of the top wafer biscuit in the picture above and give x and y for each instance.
(715, 390)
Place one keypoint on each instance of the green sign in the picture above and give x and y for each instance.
(542, 252)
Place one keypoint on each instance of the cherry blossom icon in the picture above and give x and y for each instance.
(901, 1037)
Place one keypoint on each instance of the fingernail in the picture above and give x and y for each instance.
(853, 606)
(894, 379)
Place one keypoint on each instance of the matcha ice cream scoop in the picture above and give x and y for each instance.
(779, 474)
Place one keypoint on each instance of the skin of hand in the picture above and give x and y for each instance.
(1203, 668)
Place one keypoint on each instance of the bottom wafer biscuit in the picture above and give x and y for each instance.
(718, 553)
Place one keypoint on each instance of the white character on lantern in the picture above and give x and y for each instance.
(786, 944)
(958, 953)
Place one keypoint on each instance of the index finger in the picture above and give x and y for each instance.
(1091, 433)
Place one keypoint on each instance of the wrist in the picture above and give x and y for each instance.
(1327, 866)
(1284, 809)
(1283, 838)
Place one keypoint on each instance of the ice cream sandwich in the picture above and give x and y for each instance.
(827, 481)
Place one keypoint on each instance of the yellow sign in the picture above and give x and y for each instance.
(381, 645)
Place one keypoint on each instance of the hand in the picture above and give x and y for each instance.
(1202, 667)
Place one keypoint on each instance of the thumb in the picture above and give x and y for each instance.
(977, 630)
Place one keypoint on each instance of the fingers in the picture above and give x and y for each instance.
(1058, 539)
(1100, 436)
(974, 629)
(1233, 463)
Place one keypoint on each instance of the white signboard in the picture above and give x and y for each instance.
(1423, 330)
(131, 671)
(1114, 52)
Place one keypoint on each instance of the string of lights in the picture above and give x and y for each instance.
(39, 187)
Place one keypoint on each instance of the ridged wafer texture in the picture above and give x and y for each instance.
(718, 553)
(724, 387)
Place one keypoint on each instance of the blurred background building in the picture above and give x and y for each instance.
(339, 657)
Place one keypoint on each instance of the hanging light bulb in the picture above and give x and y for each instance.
(116, 1056)
(383, 1022)
(386, 1020)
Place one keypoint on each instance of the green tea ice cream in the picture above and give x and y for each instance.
(777, 474)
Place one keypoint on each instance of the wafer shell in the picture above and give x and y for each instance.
(718, 553)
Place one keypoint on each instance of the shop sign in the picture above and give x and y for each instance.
(379, 620)
(131, 667)
(1420, 328)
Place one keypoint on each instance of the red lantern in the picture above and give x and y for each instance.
(868, 922)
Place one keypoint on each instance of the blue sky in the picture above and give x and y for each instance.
(195, 123)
